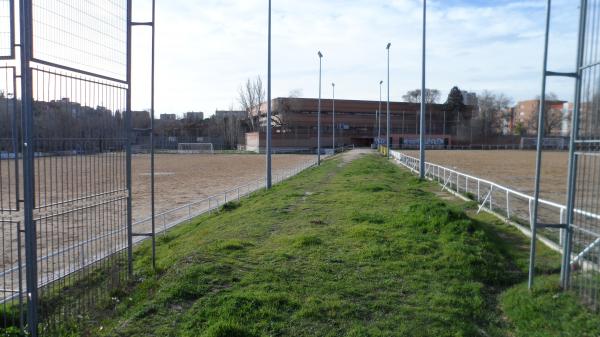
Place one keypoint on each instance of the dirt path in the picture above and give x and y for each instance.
(348, 157)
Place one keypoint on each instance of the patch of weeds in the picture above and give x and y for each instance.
(373, 187)
(165, 238)
(233, 245)
(548, 311)
(308, 240)
(370, 217)
(227, 329)
(230, 206)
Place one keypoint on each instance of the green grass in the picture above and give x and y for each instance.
(547, 311)
(362, 249)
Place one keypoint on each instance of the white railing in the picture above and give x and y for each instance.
(503, 201)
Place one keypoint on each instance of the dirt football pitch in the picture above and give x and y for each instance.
(184, 178)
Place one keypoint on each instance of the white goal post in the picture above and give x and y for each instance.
(195, 148)
(554, 143)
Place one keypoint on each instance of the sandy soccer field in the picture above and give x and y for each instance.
(181, 179)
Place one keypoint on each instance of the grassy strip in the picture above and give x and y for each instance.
(362, 249)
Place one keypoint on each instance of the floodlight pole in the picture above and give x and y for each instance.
(379, 116)
(333, 87)
(269, 112)
(389, 145)
(152, 140)
(423, 97)
(319, 112)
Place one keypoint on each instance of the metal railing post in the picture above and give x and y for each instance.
(507, 205)
(561, 238)
(491, 197)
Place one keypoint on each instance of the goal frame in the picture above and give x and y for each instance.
(195, 148)
(552, 143)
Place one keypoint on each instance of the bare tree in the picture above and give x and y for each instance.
(553, 117)
(432, 96)
(494, 109)
(550, 96)
(259, 91)
(250, 96)
(296, 93)
(247, 99)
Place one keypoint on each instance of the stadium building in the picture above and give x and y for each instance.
(356, 123)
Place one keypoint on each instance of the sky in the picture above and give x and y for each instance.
(205, 50)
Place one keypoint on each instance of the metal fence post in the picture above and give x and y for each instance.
(565, 274)
(507, 205)
(457, 183)
(491, 197)
(562, 230)
(531, 213)
(82, 253)
(540, 145)
(128, 130)
(26, 46)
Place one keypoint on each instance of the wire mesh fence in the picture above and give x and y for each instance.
(586, 164)
(80, 187)
(64, 159)
(86, 35)
(12, 241)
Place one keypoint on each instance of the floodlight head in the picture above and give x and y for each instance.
(380, 82)
(320, 55)
(388, 46)
(333, 84)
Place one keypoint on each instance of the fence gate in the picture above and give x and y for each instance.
(65, 159)
(583, 247)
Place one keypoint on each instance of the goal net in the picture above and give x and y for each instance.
(195, 148)
(530, 143)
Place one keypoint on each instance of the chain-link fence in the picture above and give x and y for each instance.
(64, 159)
(584, 192)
